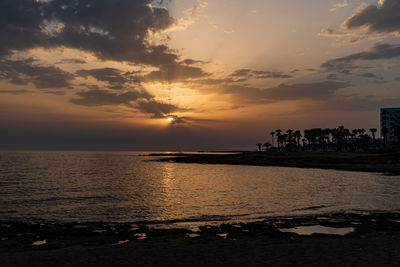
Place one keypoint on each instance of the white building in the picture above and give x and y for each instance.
(390, 117)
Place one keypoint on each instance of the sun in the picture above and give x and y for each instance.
(170, 119)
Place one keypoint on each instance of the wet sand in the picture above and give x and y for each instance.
(374, 240)
(388, 163)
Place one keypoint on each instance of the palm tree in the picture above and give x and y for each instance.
(267, 146)
(373, 131)
(259, 145)
(308, 135)
(272, 137)
(283, 139)
(289, 139)
(278, 134)
(297, 135)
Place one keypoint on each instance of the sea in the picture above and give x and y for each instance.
(87, 186)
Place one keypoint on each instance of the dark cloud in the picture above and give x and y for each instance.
(95, 98)
(378, 51)
(332, 76)
(210, 81)
(141, 101)
(370, 75)
(397, 78)
(72, 61)
(329, 32)
(110, 75)
(112, 30)
(51, 92)
(159, 110)
(192, 62)
(174, 73)
(241, 72)
(248, 73)
(22, 72)
(304, 70)
(377, 19)
(320, 90)
(284, 92)
(15, 92)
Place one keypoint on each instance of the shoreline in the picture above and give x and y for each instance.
(374, 239)
(386, 163)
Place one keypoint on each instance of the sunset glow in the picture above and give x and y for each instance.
(222, 66)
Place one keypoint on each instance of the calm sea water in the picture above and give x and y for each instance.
(126, 187)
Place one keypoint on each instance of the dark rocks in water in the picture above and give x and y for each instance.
(387, 163)
(21, 235)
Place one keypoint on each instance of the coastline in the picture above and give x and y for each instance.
(386, 163)
(375, 240)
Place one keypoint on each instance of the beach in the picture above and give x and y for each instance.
(388, 163)
(371, 240)
(125, 209)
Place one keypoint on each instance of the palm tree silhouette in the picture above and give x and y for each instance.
(267, 146)
(272, 137)
(278, 135)
(373, 131)
(297, 135)
(289, 139)
(259, 145)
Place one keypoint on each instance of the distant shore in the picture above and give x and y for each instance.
(387, 163)
(373, 240)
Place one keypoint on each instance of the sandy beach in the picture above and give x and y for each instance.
(371, 240)
(388, 163)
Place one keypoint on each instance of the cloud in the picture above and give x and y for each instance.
(348, 38)
(378, 51)
(15, 92)
(192, 62)
(370, 75)
(139, 100)
(304, 70)
(319, 90)
(332, 76)
(22, 72)
(95, 98)
(284, 92)
(159, 110)
(111, 30)
(339, 5)
(248, 73)
(114, 77)
(174, 73)
(71, 61)
(191, 16)
(382, 19)
(329, 32)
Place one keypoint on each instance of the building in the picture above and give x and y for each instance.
(390, 119)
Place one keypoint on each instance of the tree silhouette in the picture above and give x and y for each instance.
(373, 131)
(297, 135)
(259, 145)
(289, 139)
(278, 135)
(267, 146)
(272, 137)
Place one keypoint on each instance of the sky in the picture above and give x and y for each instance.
(191, 74)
